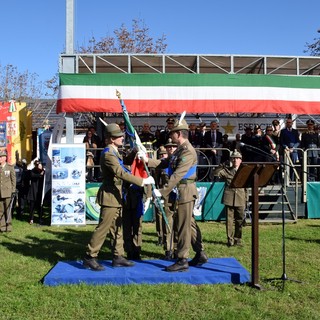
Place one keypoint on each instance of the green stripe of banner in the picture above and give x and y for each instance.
(191, 80)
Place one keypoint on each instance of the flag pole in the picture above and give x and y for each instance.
(136, 142)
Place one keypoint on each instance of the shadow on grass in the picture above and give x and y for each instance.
(69, 244)
(305, 240)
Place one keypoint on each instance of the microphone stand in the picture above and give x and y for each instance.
(284, 276)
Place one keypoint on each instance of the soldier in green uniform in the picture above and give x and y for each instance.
(109, 197)
(7, 188)
(182, 172)
(168, 235)
(234, 199)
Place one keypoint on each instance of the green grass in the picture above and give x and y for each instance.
(29, 252)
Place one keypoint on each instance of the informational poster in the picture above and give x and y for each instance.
(68, 184)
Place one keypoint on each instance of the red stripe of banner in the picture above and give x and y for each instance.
(191, 106)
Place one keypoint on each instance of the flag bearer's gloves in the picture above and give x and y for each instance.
(148, 180)
(157, 200)
(156, 193)
(146, 205)
(141, 155)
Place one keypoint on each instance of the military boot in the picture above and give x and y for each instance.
(199, 259)
(179, 266)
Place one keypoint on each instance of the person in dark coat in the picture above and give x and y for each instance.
(289, 142)
(310, 141)
(35, 190)
(213, 140)
(164, 134)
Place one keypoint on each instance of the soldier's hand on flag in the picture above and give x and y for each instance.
(141, 155)
(156, 193)
(148, 180)
(157, 200)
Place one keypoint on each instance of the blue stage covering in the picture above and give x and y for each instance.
(216, 270)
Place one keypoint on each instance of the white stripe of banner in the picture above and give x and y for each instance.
(189, 93)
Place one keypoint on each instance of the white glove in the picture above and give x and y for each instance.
(156, 193)
(141, 155)
(158, 203)
(146, 205)
(148, 180)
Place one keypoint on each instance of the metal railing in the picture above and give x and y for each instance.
(294, 174)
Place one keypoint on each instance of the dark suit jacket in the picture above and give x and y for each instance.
(208, 140)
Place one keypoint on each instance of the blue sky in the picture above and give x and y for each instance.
(32, 32)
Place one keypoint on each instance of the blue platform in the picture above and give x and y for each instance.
(216, 270)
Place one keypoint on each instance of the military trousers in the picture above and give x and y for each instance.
(189, 234)
(236, 215)
(5, 215)
(110, 222)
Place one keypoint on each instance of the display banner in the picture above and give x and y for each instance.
(93, 209)
(313, 195)
(68, 184)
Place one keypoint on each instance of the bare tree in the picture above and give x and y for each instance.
(136, 40)
(313, 48)
(22, 86)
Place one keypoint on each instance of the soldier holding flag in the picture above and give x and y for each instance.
(109, 198)
(182, 171)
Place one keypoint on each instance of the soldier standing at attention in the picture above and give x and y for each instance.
(109, 197)
(7, 188)
(234, 199)
(182, 175)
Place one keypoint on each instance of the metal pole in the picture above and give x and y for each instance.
(255, 232)
(70, 50)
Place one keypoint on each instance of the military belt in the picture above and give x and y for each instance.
(186, 181)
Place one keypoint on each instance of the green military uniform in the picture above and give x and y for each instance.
(109, 197)
(235, 201)
(7, 188)
(181, 163)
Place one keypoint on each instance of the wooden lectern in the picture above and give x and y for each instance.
(254, 175)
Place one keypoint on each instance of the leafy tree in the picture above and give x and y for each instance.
(313, 48)
(136, 40)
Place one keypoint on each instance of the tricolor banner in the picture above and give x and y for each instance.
(205, 93)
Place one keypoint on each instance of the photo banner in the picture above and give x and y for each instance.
(68, 184)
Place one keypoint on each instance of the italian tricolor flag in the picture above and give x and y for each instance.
(195, 93)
